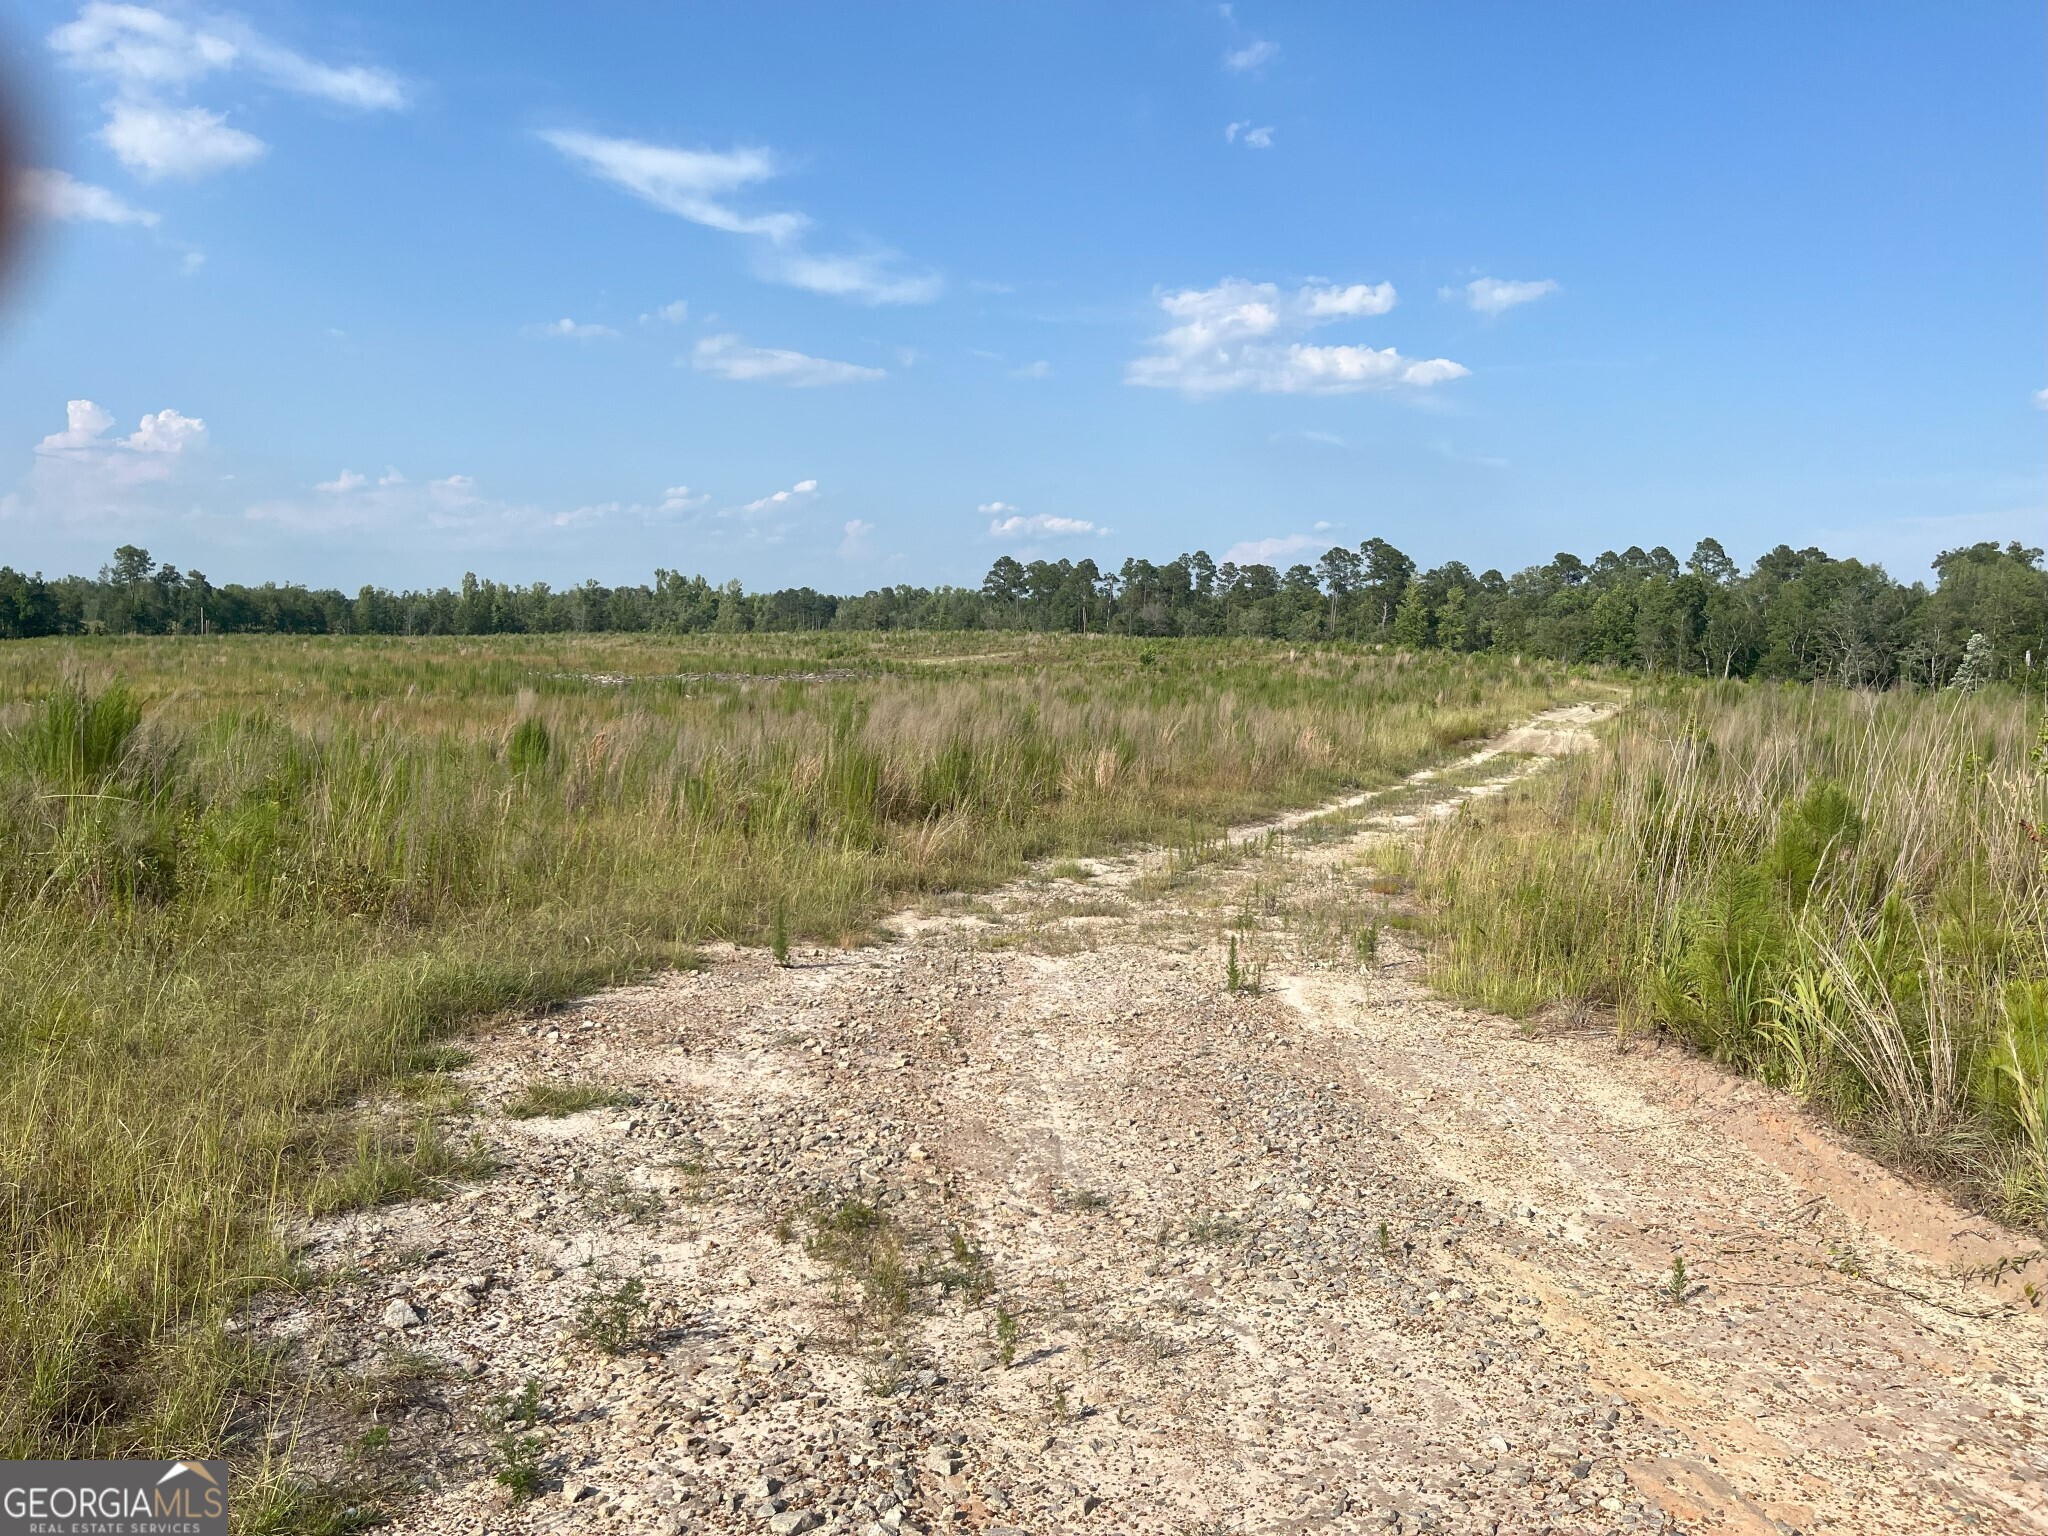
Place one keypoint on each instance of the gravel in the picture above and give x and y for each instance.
(1338, 1257)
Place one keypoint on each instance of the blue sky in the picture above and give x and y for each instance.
(845, 295)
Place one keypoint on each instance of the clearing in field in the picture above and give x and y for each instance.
(1025, 1108)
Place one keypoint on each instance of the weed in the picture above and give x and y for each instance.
(543, 1099)
(1234, 976)
(1214, 1231)
(1007, 1334)
(518, 1467)
(1087, 1200)
(382, 1168)
(613, 1318)
(778, 940)
(967, 1270)
(1678, 1282)
(279, 1505)
(1365, 943)
(1832, 891)
(372, 1442)
(1386, 1242)
(522, 1407)
(530, 747)
(861, 1243)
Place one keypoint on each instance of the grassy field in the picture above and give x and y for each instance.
(1845, 894)
(248, 881)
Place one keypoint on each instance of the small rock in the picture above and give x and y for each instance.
(576, 1493)
(401, 1314)
(794, 1522)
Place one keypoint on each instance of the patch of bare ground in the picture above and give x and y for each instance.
(1025, 1222)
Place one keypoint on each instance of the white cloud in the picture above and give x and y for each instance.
(865, 278)
(731, 358)
(1256, 138)
(83, 473)
(1308, 435)
(1237, 336)
(1269, 551)
(1254, 53)
(158, 141)
(698, 185)
(1358, 300)
(1006, 522)
(58, 195)
(2041, 399)
(348, 480)
(1494, 295)
(674, 314)
(801, 491)
(143, 49)
(1039, 369)
(152, 56)
(855, 544)
(680, 498)
(572, 330)
(692, 184)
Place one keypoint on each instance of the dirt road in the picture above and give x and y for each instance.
(1026, 1222)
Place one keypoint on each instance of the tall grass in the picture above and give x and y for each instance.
(1841, 893)
(244, 882)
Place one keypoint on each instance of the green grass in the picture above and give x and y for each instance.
(246, 882)
(542, 1100)
(1843, 894)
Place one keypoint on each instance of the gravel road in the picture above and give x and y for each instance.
(1026, 1222)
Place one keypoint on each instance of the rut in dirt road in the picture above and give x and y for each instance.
(1025, 1222)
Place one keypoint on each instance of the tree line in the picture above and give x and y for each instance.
(1793, 614)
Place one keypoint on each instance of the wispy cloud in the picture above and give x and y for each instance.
(1036, 369)
(1006, 522)
(152, 56)
(159, 142)
(700, 185)
(693, 184)
(869, 279)
(1254, 138)
(572, 330)
(1494, 295)
(674, 314)
(731, 358)
(1308, 435)
(1444, 449)
(59, 195)
(1239, 335)
(855, 543)
(1270, 551)
(801, 491)
(1251, 55)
